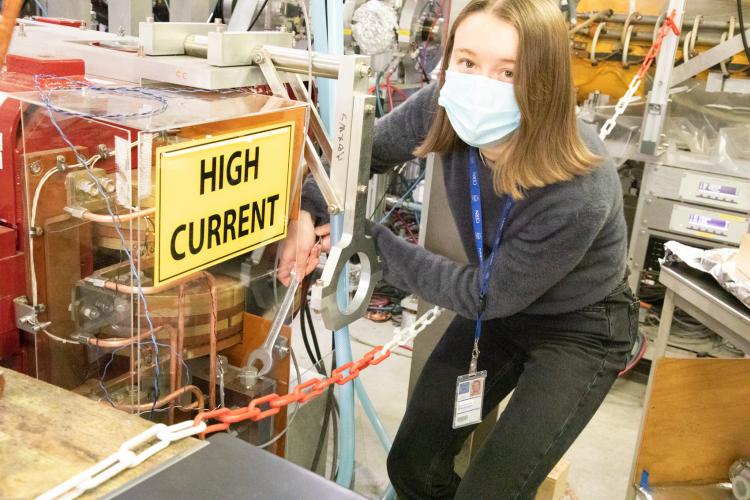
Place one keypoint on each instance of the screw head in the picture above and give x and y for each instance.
(35, 167)
(369, 109)
(361, 189)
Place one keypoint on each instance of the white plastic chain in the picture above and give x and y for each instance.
(124, 458)
(160, 436)
(620, 108)
(403, 336)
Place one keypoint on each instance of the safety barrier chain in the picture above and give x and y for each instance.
(160, 436)
(622, 104)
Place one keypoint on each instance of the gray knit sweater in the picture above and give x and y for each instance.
(564, 246)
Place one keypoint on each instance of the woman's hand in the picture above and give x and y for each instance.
(300, 250)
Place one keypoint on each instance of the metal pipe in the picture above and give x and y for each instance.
(180, 326)
(599, 16)
(409, 205)
(642, 36)
(651, 20)
(149, 290)
(197, 404)
(89, 216)
(212, 336)
(113, 343)
(297, 61)
(172, 370)
(196, 46)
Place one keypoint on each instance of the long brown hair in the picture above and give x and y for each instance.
(546, 148)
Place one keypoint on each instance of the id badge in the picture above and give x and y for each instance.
(469, 396)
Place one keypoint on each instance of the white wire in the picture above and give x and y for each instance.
(32, 222)
(54, 337)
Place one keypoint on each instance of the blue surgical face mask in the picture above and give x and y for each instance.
(480, 109)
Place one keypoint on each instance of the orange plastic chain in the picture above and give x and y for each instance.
(301, 394)
(669, 24)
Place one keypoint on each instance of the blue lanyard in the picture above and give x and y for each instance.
(485, 266)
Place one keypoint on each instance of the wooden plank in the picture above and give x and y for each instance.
(696, 421)
(555, 484)
(47, 435)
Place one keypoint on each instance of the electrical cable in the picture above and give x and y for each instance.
(257, 15)
(314, 334)
(403, 198)
(305, 340)
(741, 19)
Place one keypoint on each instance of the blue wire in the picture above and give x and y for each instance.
(46, 99)
(401, 200)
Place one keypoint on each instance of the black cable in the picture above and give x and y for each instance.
(313, 332)
(742, 30)
(306, 341)
(257, 16)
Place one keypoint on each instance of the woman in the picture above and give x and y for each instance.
(557, 315)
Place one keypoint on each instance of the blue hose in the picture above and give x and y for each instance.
(345, 393)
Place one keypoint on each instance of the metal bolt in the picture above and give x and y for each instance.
(248, 377)
(333, 209)
(362, 189)
(364, 70)
(40, 308)
(35, 167)
(121, 31)
(259, 58)
(35, 231)
(319, 282)
(369, 109)
(103, 151)
(91, 313)
(61, 163)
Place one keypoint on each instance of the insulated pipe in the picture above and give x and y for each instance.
(345, 393)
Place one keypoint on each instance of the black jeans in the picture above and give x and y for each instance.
(561, 367)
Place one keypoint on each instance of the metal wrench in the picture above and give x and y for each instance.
(264, 353)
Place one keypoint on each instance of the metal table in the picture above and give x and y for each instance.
(699, 295)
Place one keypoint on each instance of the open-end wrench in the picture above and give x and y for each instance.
(264, 353)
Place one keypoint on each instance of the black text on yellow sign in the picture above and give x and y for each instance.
(220, 197)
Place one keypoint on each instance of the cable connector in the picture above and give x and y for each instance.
(76, 212)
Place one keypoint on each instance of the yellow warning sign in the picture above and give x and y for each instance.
(220, 197)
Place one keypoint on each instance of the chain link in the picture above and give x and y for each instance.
(622, 104)
(161, 436)
(124, 458)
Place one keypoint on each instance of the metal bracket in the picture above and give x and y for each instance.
(355, 240)
(27, 318)
(654, 122)
(263, 60)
